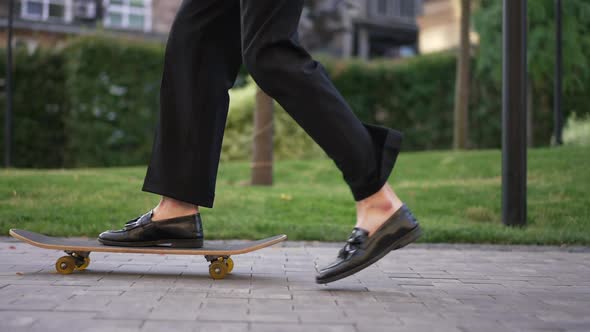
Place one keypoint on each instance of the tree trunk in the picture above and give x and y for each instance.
(460, 139)
(262, 140)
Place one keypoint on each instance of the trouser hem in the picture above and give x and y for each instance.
(387, 144)
(185, 197)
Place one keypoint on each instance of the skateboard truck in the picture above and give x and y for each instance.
(219, 266)
(75, 260)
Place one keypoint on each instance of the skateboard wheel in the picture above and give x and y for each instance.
(230, 264)
(217, 270)
(84, 264)
(65, 265)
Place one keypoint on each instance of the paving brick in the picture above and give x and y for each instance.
(191, 326)
(16, 320)
(69, 322)
(264, 327)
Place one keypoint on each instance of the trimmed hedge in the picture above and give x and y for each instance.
(39, 109)
(114, 107)
(414, 96)
(113, 89)
(289, 140)
(95, 103)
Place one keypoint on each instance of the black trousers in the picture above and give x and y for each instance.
(208, 42)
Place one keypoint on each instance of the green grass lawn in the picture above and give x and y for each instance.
(455, 195)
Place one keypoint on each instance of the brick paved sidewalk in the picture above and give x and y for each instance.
(420, 288)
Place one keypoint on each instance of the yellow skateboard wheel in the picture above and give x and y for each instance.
(65, 265)
(217, 270)
(84, 265)
(230, 264)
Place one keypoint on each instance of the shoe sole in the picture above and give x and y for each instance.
(408, 238)
(175, 243)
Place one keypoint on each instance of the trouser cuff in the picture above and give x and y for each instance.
(386, 144)
(178, 195)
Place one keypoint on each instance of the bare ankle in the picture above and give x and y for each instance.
(376, 204)
(385, 199)
(170, 208)
(374, 210)
(171, 203)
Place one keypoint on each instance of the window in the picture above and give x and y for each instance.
(128, 14)
(47, 10)
(394, 8)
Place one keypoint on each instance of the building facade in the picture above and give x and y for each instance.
(344, 28)
(440, 26)
(50, 22)
(362, 28)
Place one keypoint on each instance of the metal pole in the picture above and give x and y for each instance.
(514, 114)
(557, 113)
(9, 83)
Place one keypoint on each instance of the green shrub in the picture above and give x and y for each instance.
(289, 140)
(487, 22)
(39, 108)
(414, 96)
(113, 90)
(577, 130)
(95, 103)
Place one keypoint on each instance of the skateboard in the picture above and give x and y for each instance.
(78, 251)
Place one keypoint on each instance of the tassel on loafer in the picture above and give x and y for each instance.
(362, 250)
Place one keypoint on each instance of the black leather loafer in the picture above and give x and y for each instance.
(362, 250)
(183, 232)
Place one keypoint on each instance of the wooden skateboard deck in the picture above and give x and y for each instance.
(79, 250)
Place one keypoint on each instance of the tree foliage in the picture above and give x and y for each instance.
(541, 57)
(540, 40)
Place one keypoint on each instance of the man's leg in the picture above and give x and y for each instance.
(282, 68)
(365, 154)
(203, 56)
